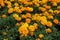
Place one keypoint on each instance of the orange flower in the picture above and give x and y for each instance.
(3, 16)
(48, 30)
(42, 9)
(55, 21)
(28, 15)
(2, 3)
(10, 10)
(49, 24)
(50, 17)
(29, 9)
(28, 20)
(54, 4)
(23, 29)
(31, 33)
(41, 35)
(47, 7)
(23, 16)
(38, 39)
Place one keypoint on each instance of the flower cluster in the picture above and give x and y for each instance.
(31, 19)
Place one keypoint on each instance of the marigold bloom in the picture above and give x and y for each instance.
(3, 16)
(42, 9)
(23, 29)
(41, 35)
(16, 4)
(23, 16)
(28, 15)
(15, 15)
(28, 20)
(31, 33)
(50, 17)
(55, 21)
(38, 39)
(29, 9)
(49, 24)
(31, 28)
(10, 10)
(18, 18)
(48, 30)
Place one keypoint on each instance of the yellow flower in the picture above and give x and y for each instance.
(15, 15)
(4, 33)
(9, 6)
(54, 4)
(31, 28)
(16, 4)
(56, 12)
(48, 30)
(16, 9)
(5, 39)
(44, 1)
(49, 24)
(17, 24)
(38, 39)
(23, 29)
(10, 10)
(36, 25)
(43, 20)
(11, 0)
(18, 18)
(51, 11)
(46, 13)
(41, 35)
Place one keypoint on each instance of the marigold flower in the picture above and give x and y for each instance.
(23, 16)
(54, 4)
(50, 17)
(55, 21)
(48, 30)
(18, 18)
(44, 1)
(29, 9)
(16, 4)
(31, 33)
(31, 28)
(38, 39)
(42, 9)
(36, 25)
(41, 35)
(10, 10)
(28, 15)
(15, 15)
(3, 16)
(49, 24)
(28, 20)
(23, 29)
